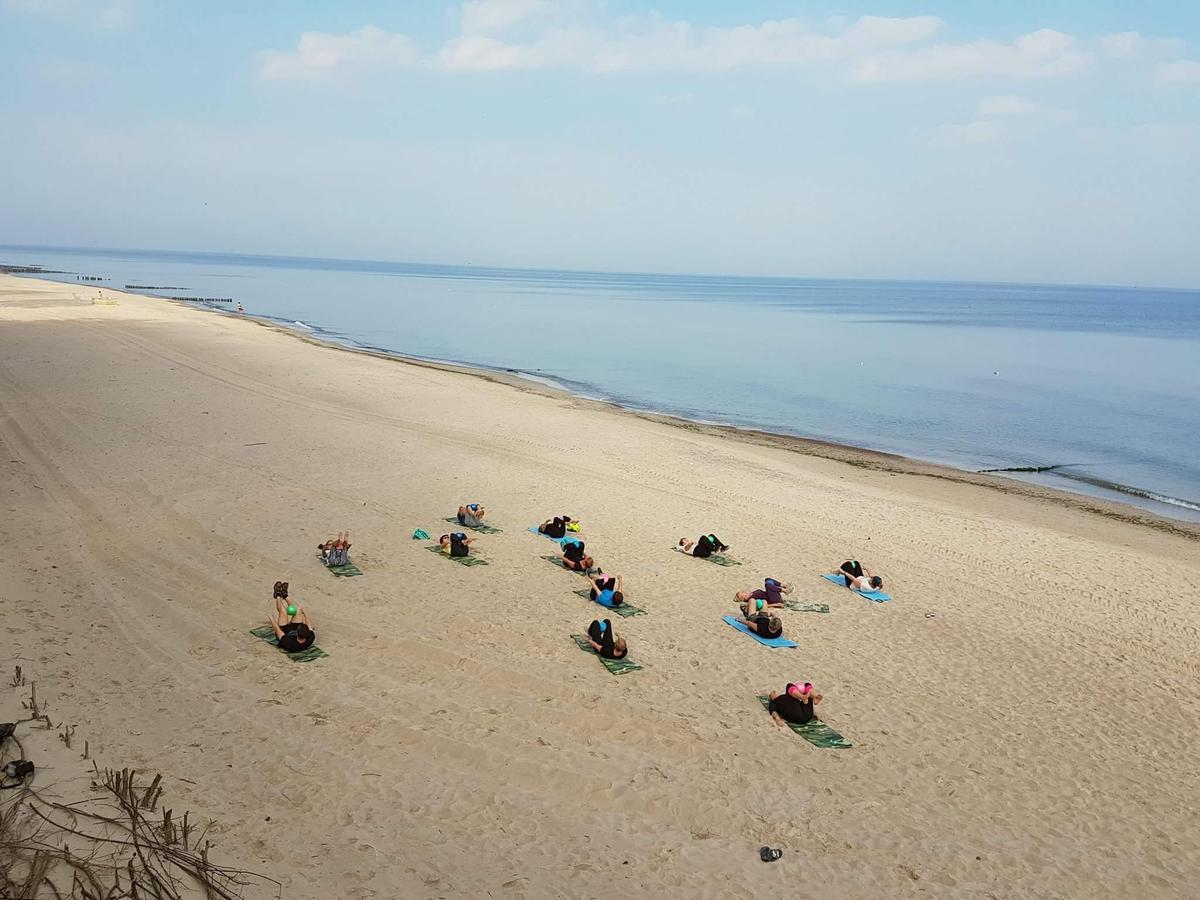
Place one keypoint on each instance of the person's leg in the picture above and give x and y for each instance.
(773, 591)
(281, 615)
(594, 632)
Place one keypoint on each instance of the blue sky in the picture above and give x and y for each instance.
(1052, 141)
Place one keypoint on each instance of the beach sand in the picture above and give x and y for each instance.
(1024, 714)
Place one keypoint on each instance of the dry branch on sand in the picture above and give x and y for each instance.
(114, 844)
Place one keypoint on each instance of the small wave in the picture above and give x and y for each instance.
(303, 325)
(1130, 490)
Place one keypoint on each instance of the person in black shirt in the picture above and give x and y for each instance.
(763, 623)
(605, 642)
(294, 632)
(794, 705)
(704, 546)
(456, 544)
(574, 558)
(556, 527)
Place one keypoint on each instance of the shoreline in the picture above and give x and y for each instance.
(859, 457)
(1127, 498)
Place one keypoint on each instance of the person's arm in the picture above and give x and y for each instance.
(778, 721)
(275, 624)
(302, 615)
(619, 582)
(595, 646)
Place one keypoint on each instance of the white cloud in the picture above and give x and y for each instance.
(319, 53)
(1039, 54)
(559, 34)
(882, 30)
(1182, 71)
(1009, 105)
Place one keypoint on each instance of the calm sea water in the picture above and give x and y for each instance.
(1101, 381)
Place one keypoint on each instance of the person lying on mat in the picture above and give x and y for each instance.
(794, 705)
(763, 623)
(456, 545)
(606, 589)
(858, 576)
(336, 551)
(293, 628)
(705, 546)
(605, 642)
(556, 527)
(574, 557)
(771, 595)
(472, 514)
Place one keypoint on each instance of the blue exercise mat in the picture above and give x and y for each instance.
(877, 596)
(569, 539)
(770, 642)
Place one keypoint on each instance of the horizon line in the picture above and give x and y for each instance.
(584, 271)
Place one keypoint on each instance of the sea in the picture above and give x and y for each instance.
(1096, 387)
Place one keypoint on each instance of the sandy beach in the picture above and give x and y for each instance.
(1024, 713)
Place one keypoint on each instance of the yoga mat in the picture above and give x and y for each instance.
(346, 571)
(482, 529)
(616, 666)
(815, 731)
(623, 610)
(770, 642)
(557, 560)
(267, 633)
(797, 606)
(463, 560)
(716, 558)
(877, 596)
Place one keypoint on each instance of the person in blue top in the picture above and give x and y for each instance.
(606, 589)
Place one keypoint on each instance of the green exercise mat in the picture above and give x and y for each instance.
(721, 560)
(267, 633)
(462, 560)
(482, 529)
(616, 666)
(345, 571)
(557, 560)
(815, 732)
(797, 606)
(623, 610)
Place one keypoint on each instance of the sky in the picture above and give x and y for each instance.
(1053, 141)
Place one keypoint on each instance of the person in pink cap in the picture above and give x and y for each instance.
(795, 704)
